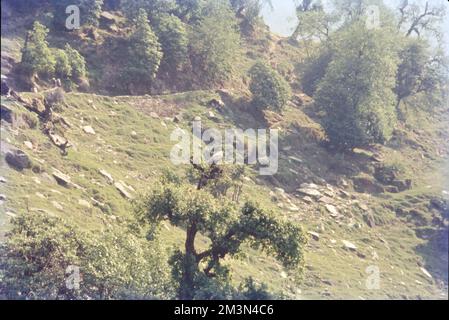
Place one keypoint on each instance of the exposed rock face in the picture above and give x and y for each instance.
(310, 192)
(18, 159)
(367, 185)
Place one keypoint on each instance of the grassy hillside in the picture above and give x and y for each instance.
(356, 223)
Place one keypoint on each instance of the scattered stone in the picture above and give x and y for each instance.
(333, 241)
(57, 205)
(3, 180)
(154, 115)
(310, 192)
(28, 144)
(2, 196)
(18, 159)
(295, 159)
(426, 272)
(362, 206)
(58, 140)
(133, 134)
(326, 200)
(84, 203)
(62, 179)
(307, 199)
(122, 189)
(88, 130)
(212, 115)
(315, 236)
(11, 214)
(40, 195)
(283, 275)
(332, 209)
(349, 245)
(177, 119)
(293, 208)
(309, 186)
(216, 103)
(107, 175)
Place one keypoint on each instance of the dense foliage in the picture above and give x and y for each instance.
(269, 89)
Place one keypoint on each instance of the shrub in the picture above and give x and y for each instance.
(77, 62)
(43, 251)
(63, 67)
(269, 89)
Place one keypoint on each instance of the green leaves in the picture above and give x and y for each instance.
(269, 89)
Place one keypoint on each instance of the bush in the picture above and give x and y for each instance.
(63, 67)
(43, 251)
(77, 63)
(269, 89)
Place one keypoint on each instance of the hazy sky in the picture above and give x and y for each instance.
(282, 18)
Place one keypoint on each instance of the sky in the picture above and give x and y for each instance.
(282, 18)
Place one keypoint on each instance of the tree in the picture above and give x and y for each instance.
(37, 57)
(173, 36)
(43, 253)
(77, 62)
(145, 52)
(153, 8)
(215, 44)
(420, 72)
(63, 67)
(227, 227)
(249, 11)
(357, 90)
(416, 19)
(269, 89)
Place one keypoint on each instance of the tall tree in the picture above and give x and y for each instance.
(357, 89)
(37, 57)
(215, 44)
(145, 52)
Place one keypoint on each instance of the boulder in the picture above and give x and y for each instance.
(216, 103)
(315, 236)
(18, 159)
(107, 175)
(28, 144)
(364, 184)
(332, 210)
(62, 179)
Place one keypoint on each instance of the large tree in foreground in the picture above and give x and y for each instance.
(226, 226)
(357, 90)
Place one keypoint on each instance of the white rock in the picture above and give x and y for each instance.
(89, 130)
(28, 144)
(107, 175)
(309, 192)
(426, 272)
(349, 245)
(333, 211)
(315, 236)
(84, 203)
(57, 205)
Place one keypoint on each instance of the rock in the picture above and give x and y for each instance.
(3, 180)
(426, 272)
(40, 195)
(216, 103)
(84, 203)
(369, 219)
(309, 186)
(177, 119)
(133, 134)
(88, 130)
(58, 140)
(349, 245)
(18, 159)
(107, 175)
(362, 206)
(307, 199)
(107, 18)
(62, 179)
(57, 205)
(332, 209)
(279, 190)
(293, 208)
(154, 115)
(6, 114)
(28, 144)
(122, 189)
(310, 192)
(295, 159)
(326, 200)
(315, 236)
(11, 214)
(283, 275)
(212, 115)
(402, 185)
(367, 185)
(2, 196)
